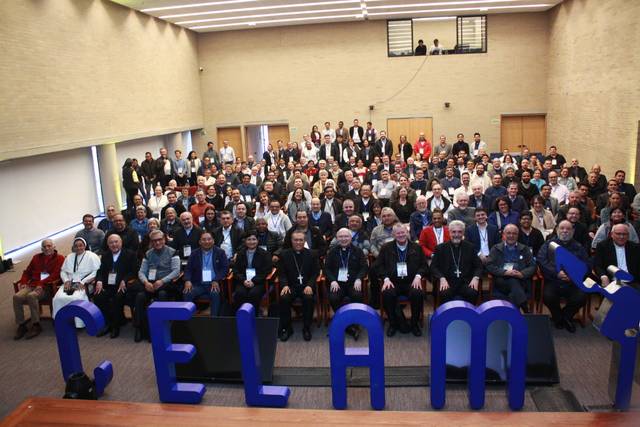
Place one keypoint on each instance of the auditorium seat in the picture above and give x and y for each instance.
(45, 302)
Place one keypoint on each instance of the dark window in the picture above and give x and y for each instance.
(471, 34)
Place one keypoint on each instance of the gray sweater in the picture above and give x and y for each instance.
(166, 262)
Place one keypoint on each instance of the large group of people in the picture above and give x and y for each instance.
(345, 216)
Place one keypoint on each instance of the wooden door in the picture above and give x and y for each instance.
(516, 132)
(277, 132)
(234, 136)
(411, 127)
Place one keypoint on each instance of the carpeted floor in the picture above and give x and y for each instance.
(32, 368)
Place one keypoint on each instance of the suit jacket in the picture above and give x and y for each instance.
(446, 203)
(357, 266)
(261, 263)
(193, 270)
(318, 243)
(337, 206)
(323, 223)
(249, 224)
(289, 264)
(129, 238)
(606, 256)
(271, 240)
(472, 235)
(358, 129)
(442, 264)
(405, 150)
(236, 238)
(126, 267)
(428, 241)
(547, 261)
(179, 208)
(388, 148)
(388, 258)
(534, 240)
(322, 151)
(416, 223)
(525, 264)
(180, 240)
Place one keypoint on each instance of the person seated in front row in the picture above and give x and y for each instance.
(559, 285)
(619, 251)
(345, 267)
(208, 265)
(36, 285)
(298, 270)
(456, 267)
(402, 265)
(512, 266)
(78, 270)
(253, 265)
(160, 268)
(117, 268)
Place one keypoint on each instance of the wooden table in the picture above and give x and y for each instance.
(49, 411)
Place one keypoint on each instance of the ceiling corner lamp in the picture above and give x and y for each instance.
(277, 21)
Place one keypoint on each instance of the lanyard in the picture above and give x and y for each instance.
(275, 221)
(439, 233)
(206, 259)
(402, 254)
(76, 263)
(342, 260)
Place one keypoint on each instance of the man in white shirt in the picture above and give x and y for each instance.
(436, 48)
(309, 151)
(480, 177)
(384, 188)
(328, 131)
(226, 153)
(559, 191)
(465, 188)
(477, 145)
(277, 221)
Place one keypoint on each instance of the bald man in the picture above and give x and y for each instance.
(512, 266)
(117, 268)
(618, 251)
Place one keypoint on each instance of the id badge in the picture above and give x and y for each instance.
(343, 275)
(263, 247)
(76, 277)
(152, 274)
(383, 192)
(180, 171)
(508, 266)
(306, 245)
(247, 197)
(201, 219)
(186, 250)
(402, 269)
(554, 162)
(418, 192)
(206, 275)
(374, 182)
(193, 170)
(43, 275)
(111, 279)
(251, 273)
(290, 159)
(451, 190)
(365, 216)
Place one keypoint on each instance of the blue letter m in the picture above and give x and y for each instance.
(478, 320)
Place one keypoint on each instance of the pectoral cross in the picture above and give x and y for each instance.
(457, 273)
(300, 278)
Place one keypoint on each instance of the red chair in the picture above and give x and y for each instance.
(46, 301)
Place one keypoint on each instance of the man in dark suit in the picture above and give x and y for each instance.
(456, 267)
(187, 238)
(313, 238)
(320, 219)
(299, 271)
(559, 285)
(402, 264)
(345, 267)
(241, 221)
(326, 149)
(252, 266)
(330, 204)
(482, 235)
(384, 146)
(404, 148)
(206, 268)
(163, 168)
(227, 237)
(338, 151)
(356, 132)
(512, 266)
(172, 197)
(117, 268)
(342, 219)
(618, 250)
(460, 145)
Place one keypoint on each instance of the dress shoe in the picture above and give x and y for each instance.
(306, 334)
(416, 331)
(391, 331)
(102, 332)
(138, 335)
(21, 331)
(569, 326)
(35, 330)
(284, 334)
(115, 332)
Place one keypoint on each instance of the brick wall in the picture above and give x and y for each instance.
(77, 73)
(312, 73)
(593, 99)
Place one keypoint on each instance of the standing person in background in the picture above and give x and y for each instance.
(180, 171)
(227, 154)
(147, 169)
(130, 181)
(212, 154)
(193, 164)
(163, 168)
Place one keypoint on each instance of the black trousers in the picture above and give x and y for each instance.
(390, 302)
(143, 299)
(374, 289)
(111, 303)
(574, 297)
(458, 291)
(344, 295)
(253, 296)
(308, 301)
(510, 289)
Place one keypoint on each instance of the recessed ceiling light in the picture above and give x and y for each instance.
(267, 15)
(277, 21)
(444, 3)
(185, 6)
(460, 9)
